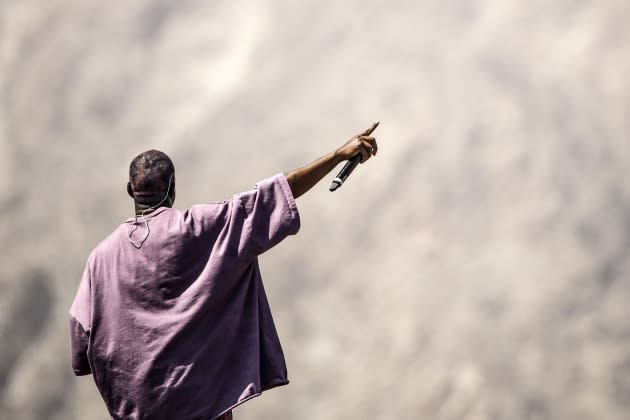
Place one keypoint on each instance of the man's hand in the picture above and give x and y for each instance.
(362, 144)
(303, 179)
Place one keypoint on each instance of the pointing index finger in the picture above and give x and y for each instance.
(369, 130)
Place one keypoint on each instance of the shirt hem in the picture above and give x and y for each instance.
(257, 394)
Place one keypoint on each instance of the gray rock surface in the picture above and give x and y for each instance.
(488, 245)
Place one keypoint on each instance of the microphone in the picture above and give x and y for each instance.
(345, 172)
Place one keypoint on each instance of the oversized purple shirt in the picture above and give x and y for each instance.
(181, 328)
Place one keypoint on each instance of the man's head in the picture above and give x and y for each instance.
(151, 178)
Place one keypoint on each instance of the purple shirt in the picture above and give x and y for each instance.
(181, 328)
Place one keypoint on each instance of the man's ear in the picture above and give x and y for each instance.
(129, 189)
(171, 194)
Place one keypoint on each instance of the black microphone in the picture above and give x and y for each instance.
(345, 172)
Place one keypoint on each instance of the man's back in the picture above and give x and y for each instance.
(180, 327)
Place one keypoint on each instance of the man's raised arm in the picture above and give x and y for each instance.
(303, 179)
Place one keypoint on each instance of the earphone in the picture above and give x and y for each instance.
(136, 222)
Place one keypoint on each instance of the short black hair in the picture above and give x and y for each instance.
(149, 174)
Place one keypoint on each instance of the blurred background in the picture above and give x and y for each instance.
(477, 268)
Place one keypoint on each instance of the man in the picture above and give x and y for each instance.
(171, 317)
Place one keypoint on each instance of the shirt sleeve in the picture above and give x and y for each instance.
(79, 345)
(80, 325)
(264, 216)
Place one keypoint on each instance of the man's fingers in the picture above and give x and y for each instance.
(363, 144)
(365, 152)
(371, 143)
(369, 130)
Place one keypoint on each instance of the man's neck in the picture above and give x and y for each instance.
(146, 209)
